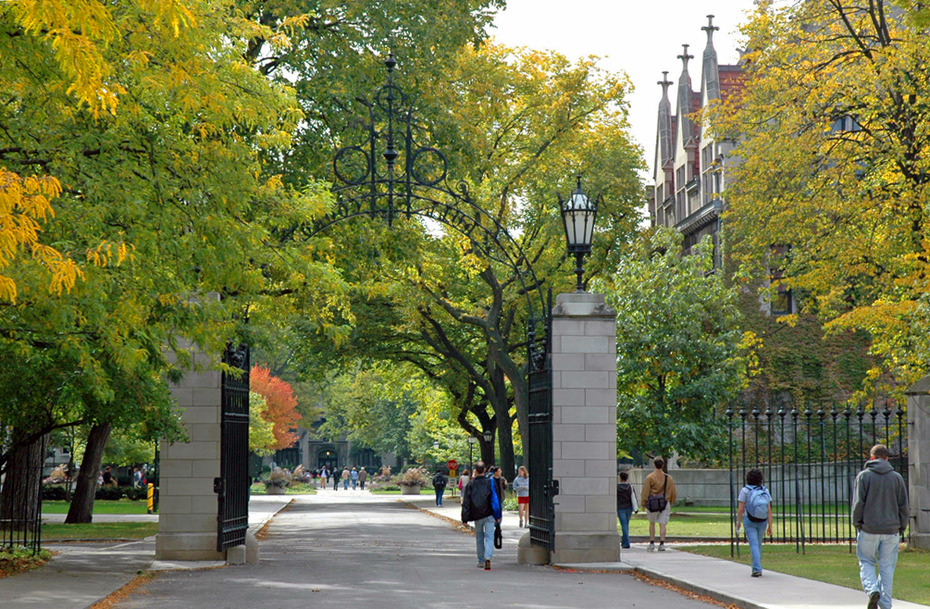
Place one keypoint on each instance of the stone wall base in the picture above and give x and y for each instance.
(919, 541)
(187, 546)
(528, 554)
(573, 547)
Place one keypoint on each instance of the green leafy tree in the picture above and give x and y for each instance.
(262, 440)
(834, 162)
(678, 348)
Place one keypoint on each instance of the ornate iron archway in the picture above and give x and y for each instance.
(390, 176)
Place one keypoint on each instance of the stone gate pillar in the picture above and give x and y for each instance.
(584, 429)
(918, 458)
(187, 519)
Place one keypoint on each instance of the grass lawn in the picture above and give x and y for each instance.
(717, 525)
(100, 507)
(98, 530)
(833, 564)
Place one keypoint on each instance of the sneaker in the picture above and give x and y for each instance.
(652, 547)
(873, 599)
(661, 546)
(481, 564)
(757, 573)
(487, 565)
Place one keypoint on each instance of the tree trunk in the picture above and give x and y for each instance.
(82, 503)
(21, 497)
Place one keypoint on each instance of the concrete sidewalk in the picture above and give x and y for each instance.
(722, 580)
(83, 574)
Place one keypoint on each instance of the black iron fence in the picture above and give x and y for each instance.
(21, 499)
(809, 459)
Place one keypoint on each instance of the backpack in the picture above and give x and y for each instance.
(439, 480)
(757, 503)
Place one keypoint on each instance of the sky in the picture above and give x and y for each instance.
(641, 38)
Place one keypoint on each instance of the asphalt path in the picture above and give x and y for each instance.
(355, 550)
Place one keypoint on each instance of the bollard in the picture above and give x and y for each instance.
(150, 495)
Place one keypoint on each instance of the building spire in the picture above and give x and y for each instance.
(684, 57)
(710, 28)
(665, 83)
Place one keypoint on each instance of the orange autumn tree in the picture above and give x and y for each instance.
(280, 405)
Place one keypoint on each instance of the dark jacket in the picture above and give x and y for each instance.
(880, 500)
(440, 480)
(476, 500)
(625, 500)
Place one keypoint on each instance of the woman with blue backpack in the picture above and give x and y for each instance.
(755, 514)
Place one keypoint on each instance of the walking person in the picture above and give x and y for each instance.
(521, 486)
(755, 515)
(439, 485)
(626, 505)
(463, 482)
(362, 477)
(335, 478)
(499, 481)
(657, 498)
(354, 475)
(345, 477)
(481, 504)
(324, 474)
(879, 513)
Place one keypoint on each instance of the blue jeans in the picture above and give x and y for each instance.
(484, 538)
(877, 551)
(345, 484)
(755, 532)
(439, 491)
(624, 515)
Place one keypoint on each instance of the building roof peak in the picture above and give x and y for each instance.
(665, 83)
(684, 57)
(710, 28)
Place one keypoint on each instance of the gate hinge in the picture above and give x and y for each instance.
(218, 486)
(552, 489)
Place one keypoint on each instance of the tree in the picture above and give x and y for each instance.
(433, 291)
(157, 129)
(262, 440)
(832, 132)
(678, 348)
(280, 405)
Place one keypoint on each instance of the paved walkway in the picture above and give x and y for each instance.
(348, 549)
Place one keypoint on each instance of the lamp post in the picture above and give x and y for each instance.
(471, 446)
(578, 214)
(489, 440)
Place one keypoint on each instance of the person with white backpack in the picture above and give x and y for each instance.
(755, 515)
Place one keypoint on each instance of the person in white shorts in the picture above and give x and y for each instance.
(658, 484)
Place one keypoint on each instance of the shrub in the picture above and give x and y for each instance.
(53, 492)
(135, 494)
(109, 493)
(415, 476)
(280, 478)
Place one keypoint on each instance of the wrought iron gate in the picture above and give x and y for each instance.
(809, 460)
(542, 486)
(232, 487)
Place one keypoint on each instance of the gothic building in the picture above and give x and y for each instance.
(690, 168)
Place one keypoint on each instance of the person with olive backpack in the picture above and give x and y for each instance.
(657, 498)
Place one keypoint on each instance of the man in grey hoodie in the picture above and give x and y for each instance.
(879, 513)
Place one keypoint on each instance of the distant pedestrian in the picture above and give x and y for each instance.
(755, 514)
(136, 477)
(439, 485)
(879, 513)
(521, 486)
(324, 474)
(335, 478)
(463, 482)
(362, 477)
(354, 475)
(481, 504)
(626, 505)
(108, 479)
(657, 498)
(345, 477)
(500, 481)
